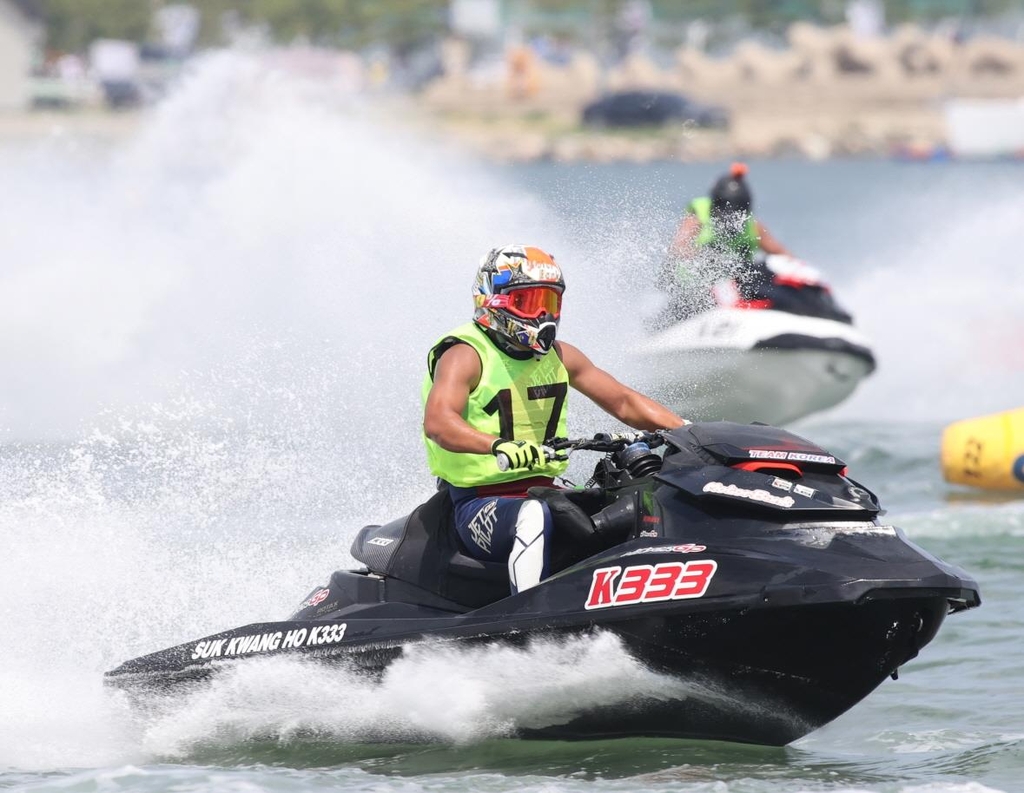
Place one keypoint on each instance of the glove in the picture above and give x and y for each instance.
(519, 454)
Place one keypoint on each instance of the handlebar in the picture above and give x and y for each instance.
(601, 442)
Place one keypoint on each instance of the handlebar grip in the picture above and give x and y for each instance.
(504, 463)
(613, 437)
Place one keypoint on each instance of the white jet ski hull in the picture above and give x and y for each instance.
(756, 365)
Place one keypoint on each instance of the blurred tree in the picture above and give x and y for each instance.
(72, 24)
(399, 23)
(351, 23)
(212, 16)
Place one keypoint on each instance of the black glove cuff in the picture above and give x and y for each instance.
(494, 446)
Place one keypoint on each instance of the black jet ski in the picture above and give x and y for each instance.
(742, 561)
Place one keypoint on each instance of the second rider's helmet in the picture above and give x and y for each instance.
(518, 297)
(730, 194)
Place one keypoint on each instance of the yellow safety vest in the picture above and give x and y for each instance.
(515, 399)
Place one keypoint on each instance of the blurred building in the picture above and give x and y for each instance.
(20, 39)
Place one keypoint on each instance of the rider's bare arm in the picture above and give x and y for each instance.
(687, 232)
(456, 375)
(628, 406)
(768, 243)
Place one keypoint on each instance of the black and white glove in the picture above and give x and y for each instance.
(517, 455)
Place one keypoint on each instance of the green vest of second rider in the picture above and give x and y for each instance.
(745, 241)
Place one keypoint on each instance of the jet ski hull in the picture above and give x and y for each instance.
(756, 365)
(764, 676)
(772, 386)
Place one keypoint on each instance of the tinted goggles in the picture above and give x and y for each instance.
(529, 302)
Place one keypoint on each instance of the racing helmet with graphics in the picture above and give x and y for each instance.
(518, 298)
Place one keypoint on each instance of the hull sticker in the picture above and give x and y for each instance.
(763, 496)
(316, 598)
(775, 454)
(268, 642)
(644, 583)
(688, 547)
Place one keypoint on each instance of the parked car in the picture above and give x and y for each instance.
(652, 108)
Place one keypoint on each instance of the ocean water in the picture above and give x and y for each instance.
(212, 341)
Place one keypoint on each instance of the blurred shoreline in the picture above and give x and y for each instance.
(829, 92)
(754, 133)
(98, 124)
(910, 94)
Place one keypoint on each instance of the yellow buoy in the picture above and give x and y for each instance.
(987, 451)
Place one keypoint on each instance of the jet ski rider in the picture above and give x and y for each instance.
(721, 224)
(499, 385)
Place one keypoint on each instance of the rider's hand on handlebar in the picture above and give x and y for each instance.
(517, 454)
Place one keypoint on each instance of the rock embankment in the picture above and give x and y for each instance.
(828, 93)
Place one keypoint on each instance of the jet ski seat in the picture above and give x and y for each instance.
(423, 549)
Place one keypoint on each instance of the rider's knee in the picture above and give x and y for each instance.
(532, 521)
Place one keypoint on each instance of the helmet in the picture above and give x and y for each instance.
(730, 193)
(518, 297)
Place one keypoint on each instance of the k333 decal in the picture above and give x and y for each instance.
(644, 583)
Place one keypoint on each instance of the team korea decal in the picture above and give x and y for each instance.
(266, 642)
(644, 583)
